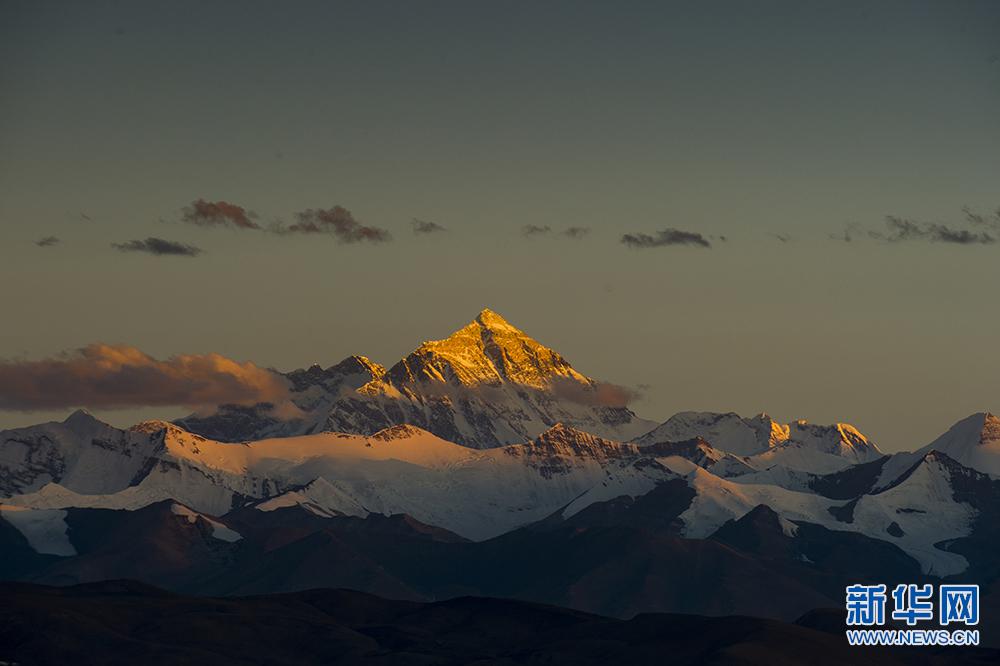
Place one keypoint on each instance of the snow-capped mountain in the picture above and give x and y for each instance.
(973, 442)
(480, 494)
(314, 390)
(81, 452)
(486, 385)
(402, 469)
(727, 432)
(762, 443)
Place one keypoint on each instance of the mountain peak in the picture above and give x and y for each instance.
(562, 439)
(489, 318)
(167, 429)
(561, 431)
(81, 421)
(731, 433)
(487, 351)
(728, 432)
(79, 415)
(974, 442)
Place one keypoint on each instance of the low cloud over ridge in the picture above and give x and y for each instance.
(597, 394)
(101, 376)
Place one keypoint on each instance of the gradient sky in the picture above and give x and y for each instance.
(792, 119)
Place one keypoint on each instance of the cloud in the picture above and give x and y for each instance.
(978, 229)
(849, 233)
(421, 227)
(158, 247)
(48, 241)
(219, 214)
(535, 231)
(336, 221)
(597, 394)
(532, 230)
(901, 229)
(990, 221)
(664, 238)
(101, 376)
(945, 234)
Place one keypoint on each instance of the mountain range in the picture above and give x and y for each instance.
(485, 464)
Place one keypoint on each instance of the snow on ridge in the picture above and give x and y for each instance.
(719, 500)
(219, 531)
(923, 506)
(320, 497)
(973, 442)
(45, 530)
(760, 439)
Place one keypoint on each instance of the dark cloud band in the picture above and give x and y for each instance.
(665, 238)
(425, 227)
(532, 230)
(900, 229)
(158, 247)
(536, 231)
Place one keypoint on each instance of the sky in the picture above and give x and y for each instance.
(733, 206)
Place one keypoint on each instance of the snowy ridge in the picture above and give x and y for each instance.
(727, 432)
(81, 452)
(973, 442)
(45, 530)
(762, 443)
(402, 469)
(719, 500)
(924, 511)
(219, 531)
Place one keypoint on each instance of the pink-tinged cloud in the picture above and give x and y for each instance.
(104, 376)
(219, 214)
